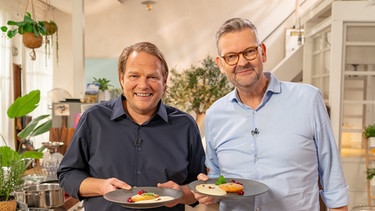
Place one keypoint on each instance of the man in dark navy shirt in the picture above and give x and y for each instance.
(135, 140)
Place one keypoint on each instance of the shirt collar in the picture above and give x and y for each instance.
(118, 110)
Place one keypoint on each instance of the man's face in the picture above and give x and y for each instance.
(143, 83)
(245, 73)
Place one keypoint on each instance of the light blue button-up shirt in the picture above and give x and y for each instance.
(286, 143)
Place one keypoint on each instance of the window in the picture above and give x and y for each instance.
(35, 74)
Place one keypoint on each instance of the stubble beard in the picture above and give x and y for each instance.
(247, 80)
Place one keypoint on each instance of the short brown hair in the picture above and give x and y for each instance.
(141, 47)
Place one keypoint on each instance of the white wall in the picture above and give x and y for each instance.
(183, 30)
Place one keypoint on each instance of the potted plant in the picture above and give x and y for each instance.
(12, 168)
(104, 85)
(369, 133)
(370, 175)
(13, 164)
(32, 31)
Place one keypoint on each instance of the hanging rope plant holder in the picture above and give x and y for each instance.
(51, 30)
(32, 40)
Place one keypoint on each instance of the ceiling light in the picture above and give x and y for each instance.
(148, 4)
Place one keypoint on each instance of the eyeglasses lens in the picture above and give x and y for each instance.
(249, 54)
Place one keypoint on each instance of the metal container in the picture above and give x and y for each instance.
(46, 195)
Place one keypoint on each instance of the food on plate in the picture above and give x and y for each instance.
(231, 187)
(221, 187)
(210, 189)
(142, 196)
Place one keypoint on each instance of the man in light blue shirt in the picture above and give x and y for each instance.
(274, 132)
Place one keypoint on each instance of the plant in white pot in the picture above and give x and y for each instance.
(369, 133)
(104, 94)
(370, 175)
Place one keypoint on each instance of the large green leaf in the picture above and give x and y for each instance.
(24, 104)
(43, 128)
(30, 130)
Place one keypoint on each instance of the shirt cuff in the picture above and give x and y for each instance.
(337, 198)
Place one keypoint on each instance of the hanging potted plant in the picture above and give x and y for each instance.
(32, 32)
(51, 29)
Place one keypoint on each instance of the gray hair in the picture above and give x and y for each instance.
(235, 25)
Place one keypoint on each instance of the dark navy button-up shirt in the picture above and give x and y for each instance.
(107, 143)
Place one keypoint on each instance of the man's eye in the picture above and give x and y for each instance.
(250, 51)
(231, 56)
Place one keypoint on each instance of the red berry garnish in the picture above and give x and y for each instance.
(240, 192)
(141, 192)
(130, 200)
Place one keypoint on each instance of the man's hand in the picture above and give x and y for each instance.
(203, 199)
(187, 198)
(98, 187)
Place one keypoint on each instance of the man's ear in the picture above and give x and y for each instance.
(264, 52)
(219, 64)
(166, 79)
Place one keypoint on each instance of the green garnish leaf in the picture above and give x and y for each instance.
(221, 180)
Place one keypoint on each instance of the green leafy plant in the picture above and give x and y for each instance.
(370, 173)
(103, 83)
(369, 131)
(37, 28)
(12, 164)
(196, 88)
(12, 168)
(27, 25)
(25, 105)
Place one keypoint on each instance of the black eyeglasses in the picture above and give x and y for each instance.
(249, 54)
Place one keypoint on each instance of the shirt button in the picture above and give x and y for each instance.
(139, 149)
(138, 172)
(257, 209)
